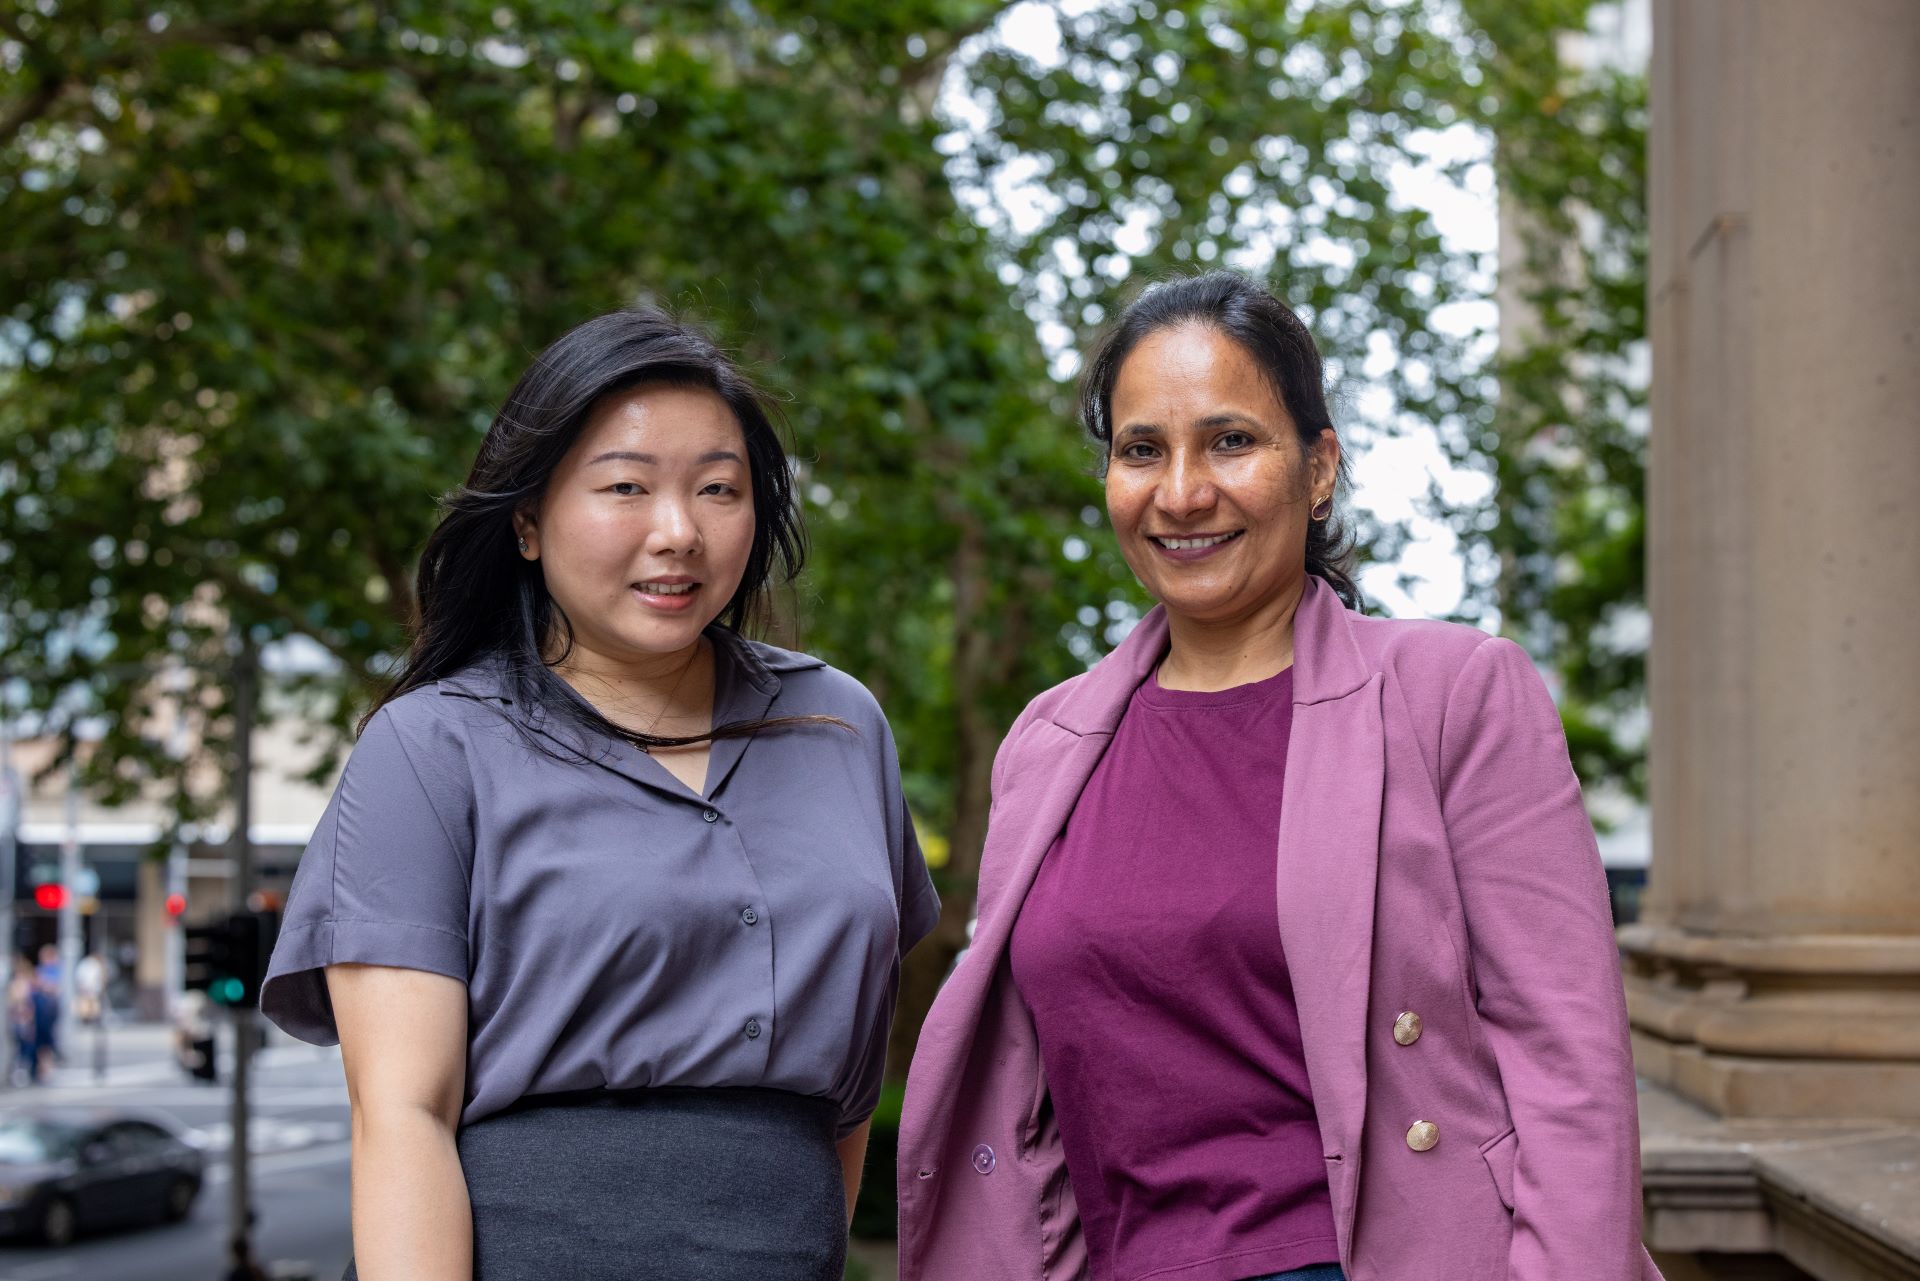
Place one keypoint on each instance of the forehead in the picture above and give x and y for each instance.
(1190, 371)
(661, 421)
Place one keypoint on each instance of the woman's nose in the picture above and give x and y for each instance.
(674, 529)
(1186, 489)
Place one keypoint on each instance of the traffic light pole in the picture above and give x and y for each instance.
(67, 1028)
(245, 691)
(11, 801)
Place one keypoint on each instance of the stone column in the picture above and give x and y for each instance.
(153, 934)
(1778, 969)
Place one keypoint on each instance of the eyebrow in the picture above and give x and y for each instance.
(1226, 419)
(630, 456)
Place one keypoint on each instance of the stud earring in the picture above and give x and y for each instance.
(523, 545)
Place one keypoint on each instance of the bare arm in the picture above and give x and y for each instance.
(403, 1041)
(853, 1156)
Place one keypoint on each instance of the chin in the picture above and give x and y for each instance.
(669, 640)
(1192, 604)
(1202, 605)
(659, 636)
(1189, 598)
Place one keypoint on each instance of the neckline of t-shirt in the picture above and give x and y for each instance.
(1158, 696)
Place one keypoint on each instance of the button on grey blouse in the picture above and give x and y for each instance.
(614, 928)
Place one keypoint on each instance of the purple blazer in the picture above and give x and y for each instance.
(1435, 860)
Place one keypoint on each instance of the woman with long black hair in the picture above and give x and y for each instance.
(608, 908)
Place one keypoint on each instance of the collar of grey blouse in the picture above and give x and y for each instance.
(740, 661)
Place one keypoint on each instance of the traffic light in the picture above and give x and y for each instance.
(254, 934)
(227, 957)
(210, 956)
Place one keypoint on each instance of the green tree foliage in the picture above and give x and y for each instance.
(269, 265)
(1567, 445)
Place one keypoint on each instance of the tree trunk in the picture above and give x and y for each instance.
(977, 738)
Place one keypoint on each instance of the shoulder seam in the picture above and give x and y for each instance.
(466, 873)
(1446, 706)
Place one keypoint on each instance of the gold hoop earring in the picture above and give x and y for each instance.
(1322, 511)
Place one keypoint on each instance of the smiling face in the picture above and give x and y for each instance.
(645, 528)
(1208, 485)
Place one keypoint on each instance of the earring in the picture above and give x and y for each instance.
(1322, 510)
(523, 545)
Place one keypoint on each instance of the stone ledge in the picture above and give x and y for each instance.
(1882, 955)
(1839, 1199)
(1757, 1086)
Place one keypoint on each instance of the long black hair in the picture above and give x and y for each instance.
(1277, 340)
(476, 597)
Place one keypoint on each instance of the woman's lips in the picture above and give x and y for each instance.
(667, 597)
(1192, 547)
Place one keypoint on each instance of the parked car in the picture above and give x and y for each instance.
(66, 1171)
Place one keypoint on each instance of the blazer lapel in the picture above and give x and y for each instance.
(1041, 782)
(1329, 860)
(1044, 780)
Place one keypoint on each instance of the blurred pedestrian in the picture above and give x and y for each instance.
(90, 978)
(1272, 867)
(21, 1022)
(46, 997)
(193, 1043)
(543, 911)
(48, 969)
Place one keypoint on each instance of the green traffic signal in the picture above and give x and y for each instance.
(227, 957)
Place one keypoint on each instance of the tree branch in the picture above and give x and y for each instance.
(30, 109)
(273, 607)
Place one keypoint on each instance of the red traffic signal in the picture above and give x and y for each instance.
(50, 898)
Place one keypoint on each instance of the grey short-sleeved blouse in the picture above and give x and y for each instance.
(614, 928)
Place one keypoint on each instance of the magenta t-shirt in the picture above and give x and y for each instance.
(1149, 954)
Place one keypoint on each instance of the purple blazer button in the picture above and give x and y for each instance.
(983, 1159)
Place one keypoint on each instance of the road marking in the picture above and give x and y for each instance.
(42, 1271)
(220, 1173)
(176, 1096)
(271, 1134)
(79, 1077)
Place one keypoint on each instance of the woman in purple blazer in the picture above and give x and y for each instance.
(1294, 956)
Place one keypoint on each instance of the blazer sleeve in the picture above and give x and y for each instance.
(1546, 970)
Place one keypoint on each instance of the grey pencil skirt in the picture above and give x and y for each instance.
(673, 1184)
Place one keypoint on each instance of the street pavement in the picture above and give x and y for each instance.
(299, 1138)
(300, 1142)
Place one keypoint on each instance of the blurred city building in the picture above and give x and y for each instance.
(137, 885)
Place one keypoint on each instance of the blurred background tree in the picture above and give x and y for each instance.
(269, 265)
(1567, 444)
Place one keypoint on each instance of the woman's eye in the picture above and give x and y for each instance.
(719, 487)
(1138, 451)
(1235, 440)
(626, 489)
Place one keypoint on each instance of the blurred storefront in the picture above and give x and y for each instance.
(135, 886)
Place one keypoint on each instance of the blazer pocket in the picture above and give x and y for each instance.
(1499, 1153)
